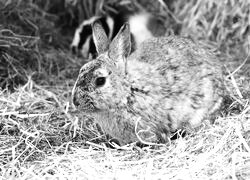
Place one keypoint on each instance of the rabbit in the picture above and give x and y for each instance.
(168, 83)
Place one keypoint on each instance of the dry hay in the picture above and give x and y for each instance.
(41, 136)
(41, 139)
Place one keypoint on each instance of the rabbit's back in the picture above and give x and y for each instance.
(154, 50)
(179, 60)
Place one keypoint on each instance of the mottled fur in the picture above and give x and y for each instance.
(169, 83)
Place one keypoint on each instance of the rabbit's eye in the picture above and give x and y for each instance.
(100, 81)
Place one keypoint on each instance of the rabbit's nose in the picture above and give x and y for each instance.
(73, 49)
(75, 100)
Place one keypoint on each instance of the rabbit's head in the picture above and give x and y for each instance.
(103, 79)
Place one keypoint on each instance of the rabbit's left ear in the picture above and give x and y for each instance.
(120, 47)
(100, 38)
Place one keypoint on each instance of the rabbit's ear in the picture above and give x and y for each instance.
(121, 45)
(100, 38)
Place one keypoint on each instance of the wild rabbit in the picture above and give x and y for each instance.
(168, 83)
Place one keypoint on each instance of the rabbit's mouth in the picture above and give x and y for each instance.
(86, 106)
(84, 102)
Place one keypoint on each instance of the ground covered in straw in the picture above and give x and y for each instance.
(42, 136)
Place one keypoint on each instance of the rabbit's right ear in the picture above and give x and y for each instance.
(121, 45)
(100, 38)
